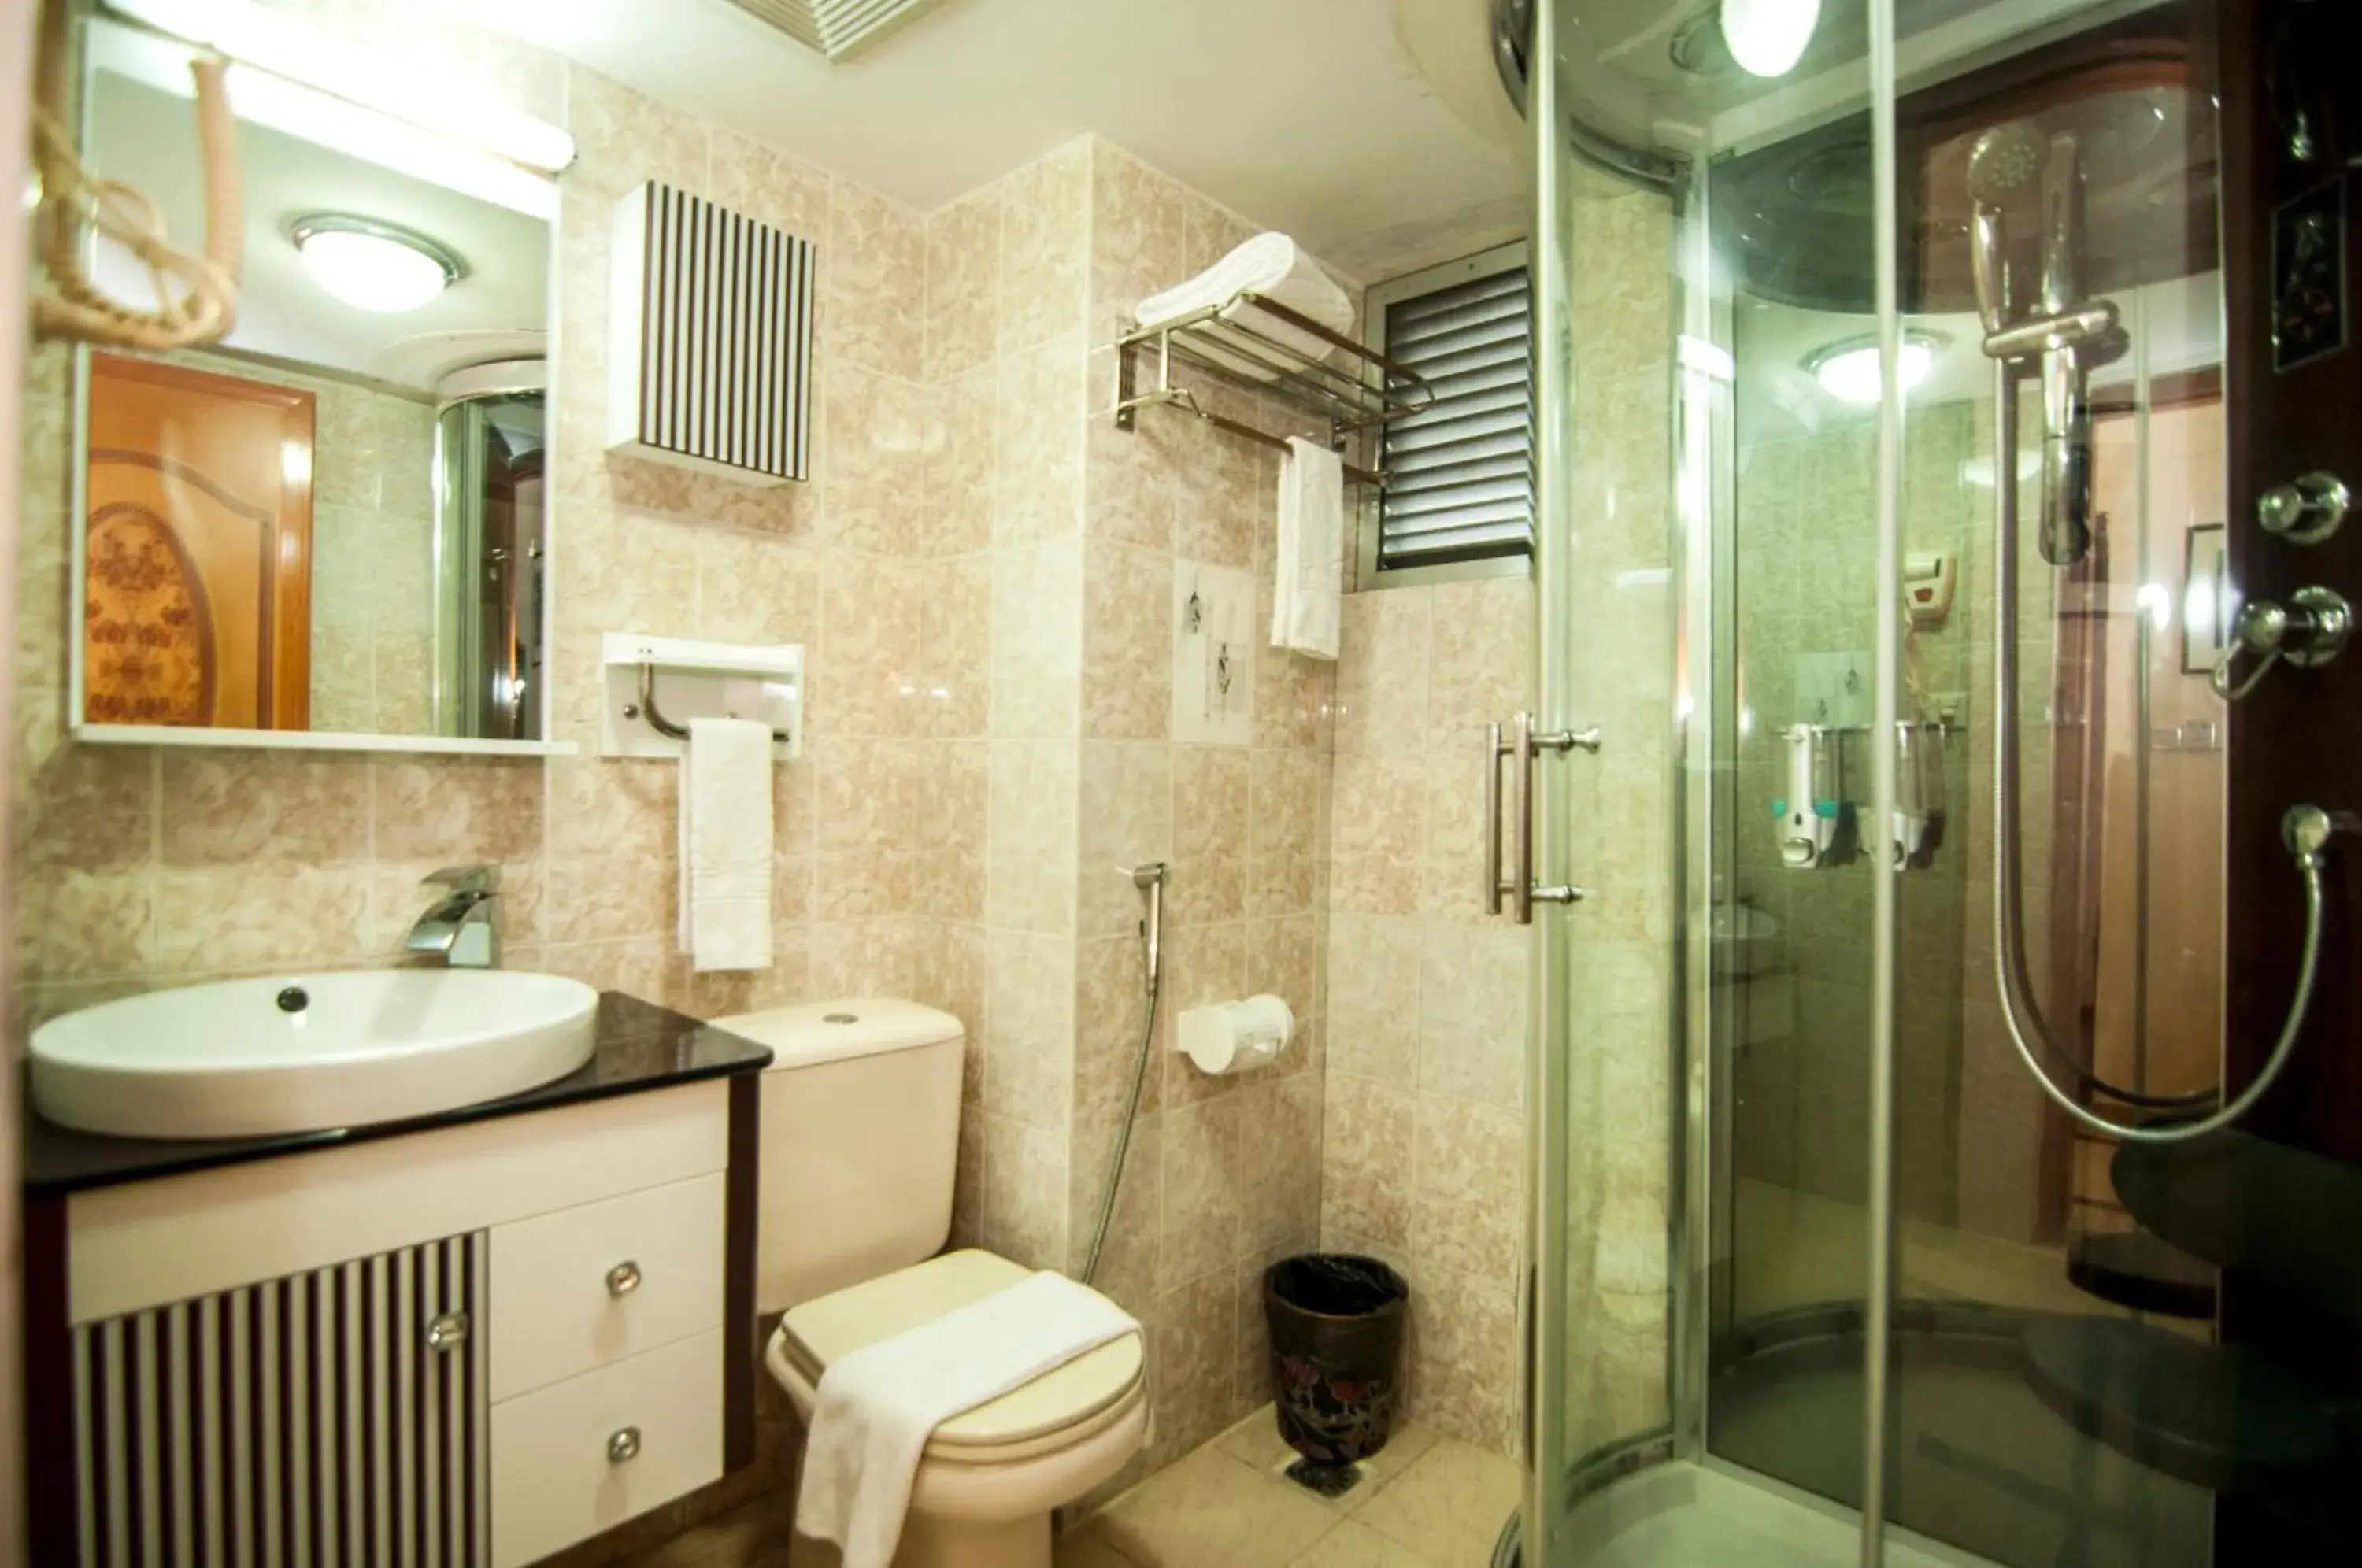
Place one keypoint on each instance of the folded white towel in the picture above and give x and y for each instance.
(1274, 267)
(1308, 585)
(725, 844)
(876, 1408)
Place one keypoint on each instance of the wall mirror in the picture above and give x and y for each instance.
(331, 529)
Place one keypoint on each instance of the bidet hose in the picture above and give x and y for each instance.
(1150, 879)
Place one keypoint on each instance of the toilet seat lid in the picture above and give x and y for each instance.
(820, 1331)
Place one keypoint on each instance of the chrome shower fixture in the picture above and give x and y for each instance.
(2064, 332)
(2003, 162)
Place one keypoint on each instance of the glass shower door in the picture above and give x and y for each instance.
(1883, 482)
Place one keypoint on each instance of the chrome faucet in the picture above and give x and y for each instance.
(462, 928)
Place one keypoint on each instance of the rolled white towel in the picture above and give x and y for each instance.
(1276, 268)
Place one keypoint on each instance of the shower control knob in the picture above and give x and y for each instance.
(2308, 631)
(2305, 510)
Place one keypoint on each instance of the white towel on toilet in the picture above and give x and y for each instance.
(876, 1406)
(1307, 590)
(725, 844)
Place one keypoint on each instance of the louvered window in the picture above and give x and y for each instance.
(1459, 476)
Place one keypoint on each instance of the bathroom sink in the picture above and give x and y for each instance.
(247, 1058)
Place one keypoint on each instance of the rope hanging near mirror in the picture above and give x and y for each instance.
(196, 295)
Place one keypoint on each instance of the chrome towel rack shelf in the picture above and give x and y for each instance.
(1360, 389)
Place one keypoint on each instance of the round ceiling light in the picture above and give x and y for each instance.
(1848, 369)
(1769, 36)
(373, 266)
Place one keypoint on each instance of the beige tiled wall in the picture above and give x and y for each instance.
(1074, 531)
(1425, 1156)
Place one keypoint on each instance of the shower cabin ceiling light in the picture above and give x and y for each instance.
(1848, 369)
(837, 28)
(373, 266)
(1769, 36)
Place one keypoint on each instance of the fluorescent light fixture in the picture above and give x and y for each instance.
(1979, 471)
(1848, 370)
(373, 266)
(1769, 36)
(1709, 358)
(287, 48)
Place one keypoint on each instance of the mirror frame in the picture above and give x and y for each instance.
(397, 144)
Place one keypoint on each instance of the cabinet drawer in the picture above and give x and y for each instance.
(585, 1287)
(554, 1482)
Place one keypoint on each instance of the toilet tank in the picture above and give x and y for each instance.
(861, 1107)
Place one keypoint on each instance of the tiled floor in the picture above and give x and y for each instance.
(1430, 1501)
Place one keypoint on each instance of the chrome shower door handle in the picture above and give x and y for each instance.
(1494, 752)
(1521, 752)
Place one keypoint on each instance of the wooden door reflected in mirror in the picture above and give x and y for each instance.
(197, 592)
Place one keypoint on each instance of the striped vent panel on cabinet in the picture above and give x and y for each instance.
(306, 1421)
(712, 317)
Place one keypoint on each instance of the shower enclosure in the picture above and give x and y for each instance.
(491, 457)
(1889, 388)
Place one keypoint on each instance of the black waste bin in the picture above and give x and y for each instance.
(1336, 1352)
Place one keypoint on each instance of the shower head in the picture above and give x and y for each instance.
(2008, 161)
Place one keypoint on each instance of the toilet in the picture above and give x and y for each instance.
(860, 1137)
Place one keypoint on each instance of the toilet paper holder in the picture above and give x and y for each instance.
(1229, 1037)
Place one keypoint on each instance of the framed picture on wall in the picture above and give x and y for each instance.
(2206, 607)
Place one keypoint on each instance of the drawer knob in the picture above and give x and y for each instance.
(446, 1332)
(623, 1279)
(623, 1445)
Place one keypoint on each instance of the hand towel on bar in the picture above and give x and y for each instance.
(1309, 586)
(876, 1406)
(1273, 265)
(725, 844)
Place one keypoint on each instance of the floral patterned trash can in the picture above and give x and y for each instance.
(1336, 1353)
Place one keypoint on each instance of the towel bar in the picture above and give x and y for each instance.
(646, 708)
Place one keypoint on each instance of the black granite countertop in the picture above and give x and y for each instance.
(640, 1047)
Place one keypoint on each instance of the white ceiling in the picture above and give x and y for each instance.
(144, 137)
(1306, 116)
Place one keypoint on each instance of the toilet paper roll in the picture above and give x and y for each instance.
(1230, 1037)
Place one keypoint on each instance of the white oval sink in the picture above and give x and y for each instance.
(231, 1060)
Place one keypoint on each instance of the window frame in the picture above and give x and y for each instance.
(1377, 300)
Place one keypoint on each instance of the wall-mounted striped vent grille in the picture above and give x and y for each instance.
(301, 1422)
(712, 362)
(1459, 476)
(837, 28)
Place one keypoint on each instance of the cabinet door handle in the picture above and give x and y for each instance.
(623, 1279)
(623, 1445)
(447, 1332)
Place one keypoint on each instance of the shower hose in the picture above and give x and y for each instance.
(2306, 829)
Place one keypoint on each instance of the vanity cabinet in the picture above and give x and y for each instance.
(465, 1348)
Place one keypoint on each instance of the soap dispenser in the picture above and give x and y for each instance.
(1808, 819)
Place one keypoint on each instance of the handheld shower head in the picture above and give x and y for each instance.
(2005, 161)
(2017, 164)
